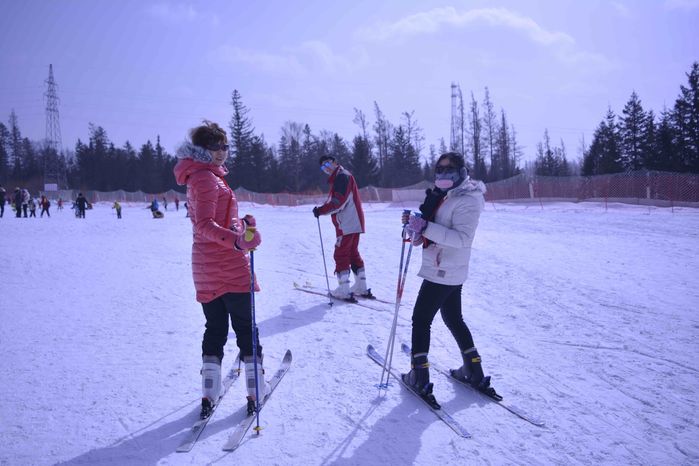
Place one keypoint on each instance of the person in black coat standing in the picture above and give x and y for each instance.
(81, 202)
(18, 202)
(2, 201)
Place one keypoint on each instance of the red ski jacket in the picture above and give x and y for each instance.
(218, 267)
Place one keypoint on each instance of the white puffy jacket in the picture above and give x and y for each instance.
(445, 261)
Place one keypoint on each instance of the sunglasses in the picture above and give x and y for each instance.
(445, 169)
(217, 147)
(326, 164)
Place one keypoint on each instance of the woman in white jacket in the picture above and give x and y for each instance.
(446, 229)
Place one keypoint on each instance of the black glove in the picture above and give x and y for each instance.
(316, 212)
(431, 202)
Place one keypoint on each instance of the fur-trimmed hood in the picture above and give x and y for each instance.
(467, 187)
(187, 150)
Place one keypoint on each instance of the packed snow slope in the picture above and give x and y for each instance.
(583, 316)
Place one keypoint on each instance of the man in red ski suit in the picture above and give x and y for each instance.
(347, 215)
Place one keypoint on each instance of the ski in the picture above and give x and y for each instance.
(194, 433)
(369, 297)
(443, 415)
(513, 409)
(243, 426)
(333, 299)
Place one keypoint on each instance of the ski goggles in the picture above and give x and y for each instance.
(326, 165)
(445, 169)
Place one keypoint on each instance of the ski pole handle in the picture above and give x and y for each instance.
(405, 217)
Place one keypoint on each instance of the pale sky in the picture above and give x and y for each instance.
(146, 68)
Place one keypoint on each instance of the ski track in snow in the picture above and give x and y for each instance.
(584, 317)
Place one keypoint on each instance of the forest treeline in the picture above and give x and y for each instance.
(382, 153)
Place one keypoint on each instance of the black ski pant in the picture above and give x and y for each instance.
(237, 308)
(2, 209)
(45, 209)
(432, 298)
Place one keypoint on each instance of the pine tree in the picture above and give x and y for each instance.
(15, 146)
(382, 140)
(686, 121)
(632, 133)
(361, 163)
(604, 155)
(4, 153)
(404, 163)
(490, 127)
(242, 162)
(475, 136)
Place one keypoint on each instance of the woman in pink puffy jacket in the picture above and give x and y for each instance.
(220, 264)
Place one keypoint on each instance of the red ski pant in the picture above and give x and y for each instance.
(347, 253)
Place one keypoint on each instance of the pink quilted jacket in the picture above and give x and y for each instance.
(217, 266)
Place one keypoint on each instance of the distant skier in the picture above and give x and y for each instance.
(345, 207)
(117, 207)
(177, 203)
(45, 205)
(25, 201)
(81, 205)
(446, 229)
(32, 207)
(2, 201)
(17, 200)
(220, 267)
(155, 209)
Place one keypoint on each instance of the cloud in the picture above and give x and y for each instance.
(681, 4)
(178, 13)
(560, 44)
(621, 9)
(322, 56)
(300, 60)
(270, 62)
(433, 21)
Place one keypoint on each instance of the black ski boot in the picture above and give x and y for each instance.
(418, 379)
(252, 406)
(472, 373)
(206, 408)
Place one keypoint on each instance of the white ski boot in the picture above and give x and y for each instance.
(264, 387)
(210, 384)
(359, 288)
(343, 289)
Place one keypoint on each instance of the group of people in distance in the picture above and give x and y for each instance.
(445, 230)
(25, 205)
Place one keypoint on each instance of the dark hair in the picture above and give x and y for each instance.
(455, 159)
(323, 158)
(208, 134)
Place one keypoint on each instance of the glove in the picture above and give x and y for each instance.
(248, 240)
(249, 221)
(316, 212)
(416, 225)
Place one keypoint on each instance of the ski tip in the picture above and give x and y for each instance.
(287, 356)
(369, 348)
(405, 348)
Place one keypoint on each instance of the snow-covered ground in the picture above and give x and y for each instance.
(585, 317)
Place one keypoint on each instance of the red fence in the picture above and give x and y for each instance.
(642, 187)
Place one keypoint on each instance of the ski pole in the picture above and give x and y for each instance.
(402, 273)
(322, 250)
(255, 336)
